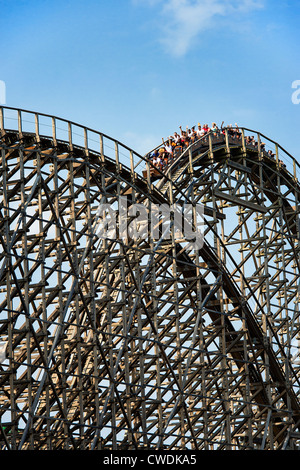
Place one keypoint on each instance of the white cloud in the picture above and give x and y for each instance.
(184, 20)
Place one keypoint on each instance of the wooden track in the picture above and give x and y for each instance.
(134, 344)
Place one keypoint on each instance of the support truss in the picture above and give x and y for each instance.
(113, 343)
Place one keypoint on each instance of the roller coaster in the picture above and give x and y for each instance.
(146, 343)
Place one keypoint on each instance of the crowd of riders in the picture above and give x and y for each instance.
(173, 146)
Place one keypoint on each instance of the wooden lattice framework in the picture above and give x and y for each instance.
(146, 344)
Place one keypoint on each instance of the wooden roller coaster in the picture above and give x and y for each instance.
(145, 343)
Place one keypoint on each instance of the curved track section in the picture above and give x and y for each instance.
(150, 342)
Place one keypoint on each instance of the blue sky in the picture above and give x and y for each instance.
(137, 69)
